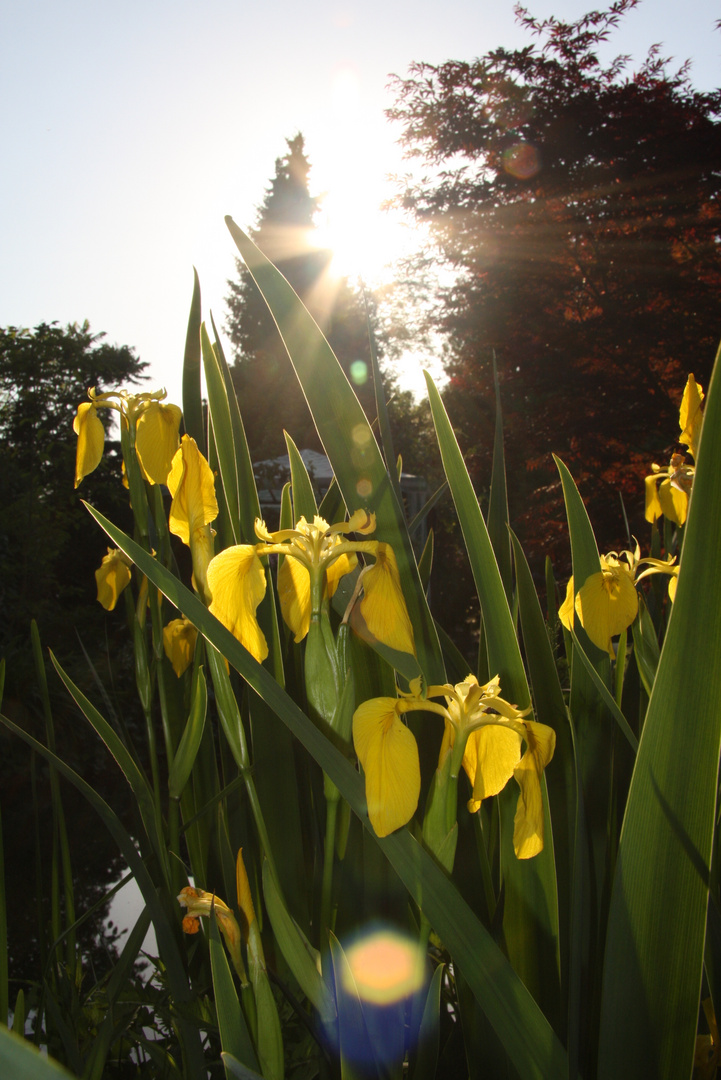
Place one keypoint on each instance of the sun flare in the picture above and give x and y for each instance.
(364, 239)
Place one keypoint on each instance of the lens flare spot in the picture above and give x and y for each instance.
(364, 488)
(359, 372)
(521, 160)
(386, 967)
(361, 436)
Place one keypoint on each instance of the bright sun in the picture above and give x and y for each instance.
(366, 241)
(363, 238)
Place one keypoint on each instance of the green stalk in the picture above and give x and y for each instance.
(327, 915)
(232, 724)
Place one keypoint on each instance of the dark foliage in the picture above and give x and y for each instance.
(48, 545)
(49, 548)
(580, 207)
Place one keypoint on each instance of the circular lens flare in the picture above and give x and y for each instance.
(386, 966)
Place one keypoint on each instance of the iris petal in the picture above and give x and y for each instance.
(111, 577)
(383, 606)
(341, 566)
(237, 581)
(157, 439)
(492, 753)
(179, 638)
(294, 596)
(89, 429)
(388, 752)
(607, 604)
(674, 503)
(528, 822)
(690, 416)
(653, 506)
(192, 486)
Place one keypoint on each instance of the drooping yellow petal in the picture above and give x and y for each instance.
(112, 576)
(690, 416)
(653, 506)
(237, 582)
(492, 753)
(674, 503)
(383, 606)
(336, 570)
(192, 486)
(89, 429)
(294, 596)
(672, 583)
(157, 439)
(528, 822)
(565, 612)
(387, 750)
(607, 604)
(179, 638)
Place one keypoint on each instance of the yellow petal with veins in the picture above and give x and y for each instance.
(674, 503)
(607, 604)
(237, 582)
(528, 822)
(383, 606)
(492, 753)
(294, 596)
(388, 752)
(192, 486)
(89, 429)
(157, 439)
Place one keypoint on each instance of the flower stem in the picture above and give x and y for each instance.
(327, 916)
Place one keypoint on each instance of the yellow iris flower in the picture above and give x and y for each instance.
(156, 428)
(112, 576)
(316, 556)
(490, 733)
(607, 602)
(179, 638)
(668, 490)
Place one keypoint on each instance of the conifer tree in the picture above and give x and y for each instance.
(270, 397)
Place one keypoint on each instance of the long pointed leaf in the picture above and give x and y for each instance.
(192, 402)
(504, 655)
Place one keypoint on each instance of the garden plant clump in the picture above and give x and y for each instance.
(360, 855)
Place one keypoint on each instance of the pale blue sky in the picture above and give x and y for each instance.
(130, 129)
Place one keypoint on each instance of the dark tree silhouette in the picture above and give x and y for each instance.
(270, 398)
(580, 207)
(49, 547)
